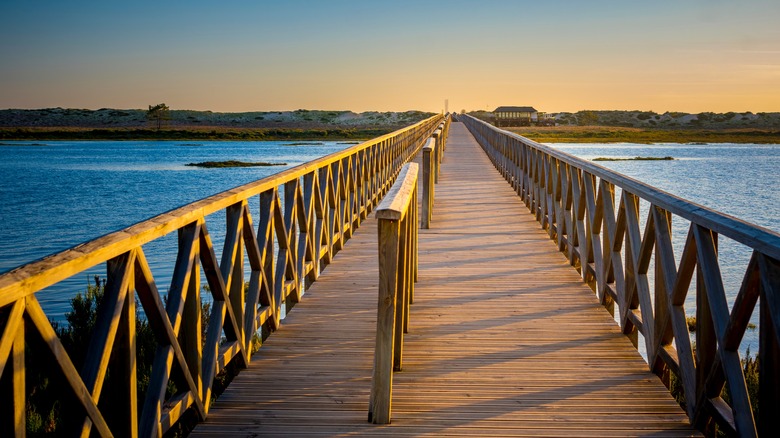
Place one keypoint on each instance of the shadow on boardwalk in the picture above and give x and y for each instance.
(504, 340)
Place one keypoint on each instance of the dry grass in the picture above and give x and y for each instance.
(608, 134)
(191, 133)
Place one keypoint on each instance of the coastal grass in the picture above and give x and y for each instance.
(193, 133)
(607, 134)
(52, 411)
(542, 134)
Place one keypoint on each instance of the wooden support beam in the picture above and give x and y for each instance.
(397, 225)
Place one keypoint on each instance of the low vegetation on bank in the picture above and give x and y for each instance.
(160, 122)
(647, 127)
(605, 134)
(218, 134)
(51, 409)
(653, 120)
(644, 127)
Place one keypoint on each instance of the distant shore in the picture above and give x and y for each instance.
(194, 133)
(318, 125)
(136, 124)
(605, 134)
(555, 134)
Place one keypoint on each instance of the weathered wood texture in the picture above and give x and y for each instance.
(397, 241)
(505, 338)
(440, 137)
(574, 200)
(307, 213)
(428, 187)
(433, 153)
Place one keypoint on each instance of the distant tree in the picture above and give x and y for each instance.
(158, 115)
(587, 118)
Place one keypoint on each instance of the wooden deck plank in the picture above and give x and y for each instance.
(504, 340)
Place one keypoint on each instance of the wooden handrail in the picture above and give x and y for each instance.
(397, 222)
(428, 172)
(306, 215)
(437, 136)
(445, 132)
(574, 200)
(440, 135)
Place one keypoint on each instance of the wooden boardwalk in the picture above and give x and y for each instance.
(505, 339)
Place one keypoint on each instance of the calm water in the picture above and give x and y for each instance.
(740, 180)
(59, 194)
(731, 178)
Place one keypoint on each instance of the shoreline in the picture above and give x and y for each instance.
(605, 134)
(554, 134)
(199, 133)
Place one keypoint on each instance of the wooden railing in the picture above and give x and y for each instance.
(433, 154)
(397, 222)
(440, 136)
(306, 214)
(574, 200)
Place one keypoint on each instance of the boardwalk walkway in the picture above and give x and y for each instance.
(505, 339)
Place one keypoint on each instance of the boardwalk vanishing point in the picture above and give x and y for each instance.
(506, 336)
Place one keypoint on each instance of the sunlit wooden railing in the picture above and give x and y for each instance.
(574, 200)
(428, 186)
(440, 136)
(306, 215)
(397, 224)
(433, 154)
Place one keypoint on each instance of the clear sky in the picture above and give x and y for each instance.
(556, 55)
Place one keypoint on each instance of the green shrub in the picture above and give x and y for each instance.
(587, 118)
(50, 407)
(750, 368)
(645, 115)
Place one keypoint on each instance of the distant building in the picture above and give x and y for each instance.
(545, 119)
(515, 115)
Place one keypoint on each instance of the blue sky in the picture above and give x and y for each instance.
(690, 55)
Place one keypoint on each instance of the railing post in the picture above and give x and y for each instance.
(382, 384)
(428, 186)
(437, 162)
(17, 370)
(769, 346)
(415, 238)
(397, 248)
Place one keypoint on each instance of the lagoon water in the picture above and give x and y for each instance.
(55, 195)
(738, 179)
(59, 194)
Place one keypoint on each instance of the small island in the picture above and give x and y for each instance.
(635, 159)
(232, 163)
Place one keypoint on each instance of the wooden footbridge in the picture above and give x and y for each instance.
(488, 317)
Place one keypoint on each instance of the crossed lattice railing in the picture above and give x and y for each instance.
(305, 216)
(574, 200)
